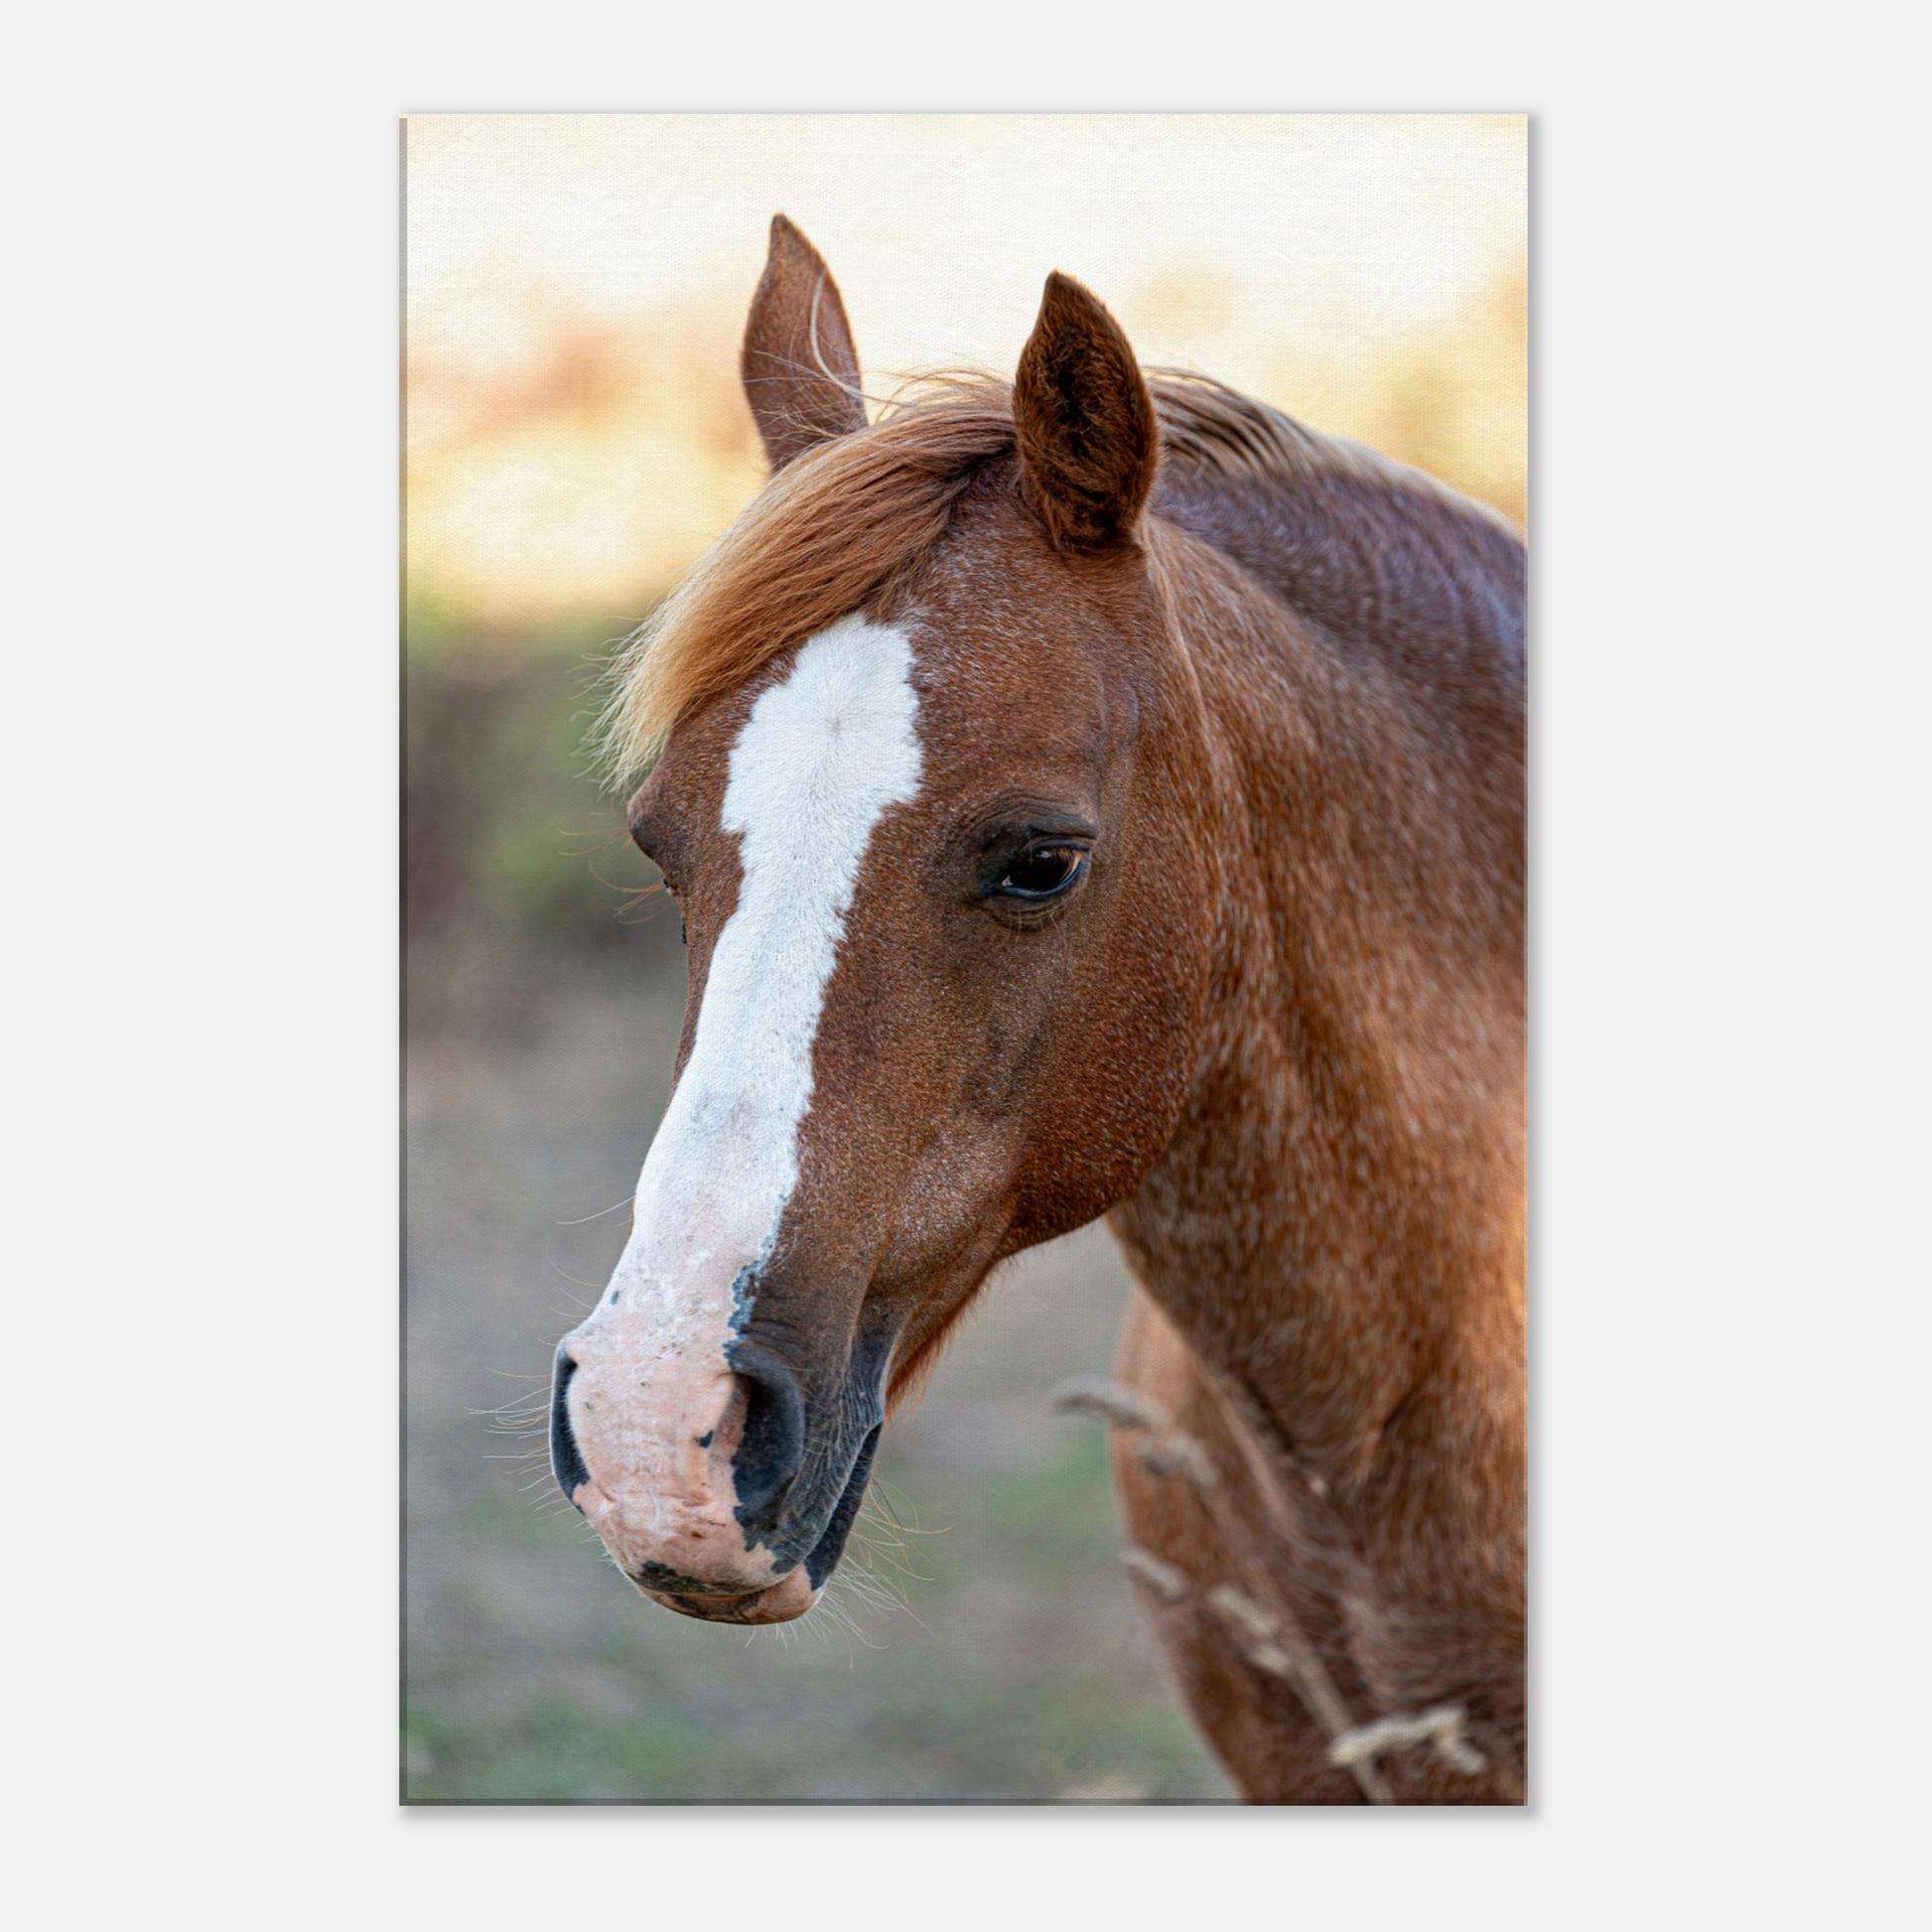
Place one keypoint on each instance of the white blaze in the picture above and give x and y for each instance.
(819, 762)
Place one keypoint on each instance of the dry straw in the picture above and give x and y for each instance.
(1252, 1615)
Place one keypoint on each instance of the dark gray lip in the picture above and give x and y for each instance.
(824, 1555)
(660, 1576)
(806, 1420)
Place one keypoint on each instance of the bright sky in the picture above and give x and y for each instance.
(942, 228)
(1264, 249)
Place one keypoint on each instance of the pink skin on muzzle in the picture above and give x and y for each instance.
(658, 1417)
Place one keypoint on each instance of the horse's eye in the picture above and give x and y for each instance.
(1045, 871)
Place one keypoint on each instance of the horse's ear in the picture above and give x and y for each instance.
(1088, 440)
(798, 365)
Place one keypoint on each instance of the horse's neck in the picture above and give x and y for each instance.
(1337, 1224)
(1391, 568)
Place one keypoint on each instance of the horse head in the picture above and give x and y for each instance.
(927, 781)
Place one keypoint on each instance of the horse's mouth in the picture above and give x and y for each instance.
(794, 1594)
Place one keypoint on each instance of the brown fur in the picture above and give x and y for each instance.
(1083, 422)
(798, 366)
(1276, 1035)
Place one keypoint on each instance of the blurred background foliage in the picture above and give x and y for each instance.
(575, 437)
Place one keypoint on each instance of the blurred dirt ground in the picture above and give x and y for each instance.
(1015, 1670)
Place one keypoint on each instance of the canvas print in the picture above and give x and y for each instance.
(965, 990)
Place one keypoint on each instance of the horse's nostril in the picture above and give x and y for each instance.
(773, 1441)
(566, 1459)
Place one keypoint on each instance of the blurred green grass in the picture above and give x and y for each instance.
(683, 1713)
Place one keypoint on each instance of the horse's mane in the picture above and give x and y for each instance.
(842, 526)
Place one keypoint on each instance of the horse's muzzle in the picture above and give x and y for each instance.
(717, 1511)
(799, 1590)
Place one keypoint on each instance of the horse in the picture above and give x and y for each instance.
(1094, 795)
